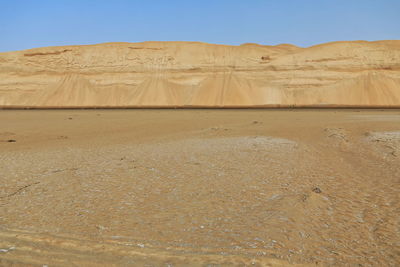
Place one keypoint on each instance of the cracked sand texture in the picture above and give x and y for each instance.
(156, 187)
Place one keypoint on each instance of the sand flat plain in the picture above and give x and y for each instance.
(198, 187)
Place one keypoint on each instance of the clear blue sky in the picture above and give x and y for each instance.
(35, 23)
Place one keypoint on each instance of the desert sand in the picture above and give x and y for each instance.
(198, 187)
(192, 74)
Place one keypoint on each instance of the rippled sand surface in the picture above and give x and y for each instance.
(200, 187)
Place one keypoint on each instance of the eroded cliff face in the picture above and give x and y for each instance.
(179, 74)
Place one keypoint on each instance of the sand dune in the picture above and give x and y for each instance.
(177, 74)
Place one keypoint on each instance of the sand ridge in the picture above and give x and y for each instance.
(194, 74)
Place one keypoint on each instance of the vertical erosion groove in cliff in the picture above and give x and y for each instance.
(191, 74)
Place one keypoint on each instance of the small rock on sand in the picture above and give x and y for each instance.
(317, 190)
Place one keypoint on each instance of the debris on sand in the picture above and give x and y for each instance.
(101, 228)
(11, 141)
(218, 129)
(19, 190)
(317, 190)
(338, 133)
(389, 141)
(6, 249)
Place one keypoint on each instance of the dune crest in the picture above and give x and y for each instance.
(193, 74)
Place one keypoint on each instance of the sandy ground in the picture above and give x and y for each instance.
(200, 187)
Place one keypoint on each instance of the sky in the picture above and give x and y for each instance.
(35, 23)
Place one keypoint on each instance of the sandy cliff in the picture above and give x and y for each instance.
(176, 74)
